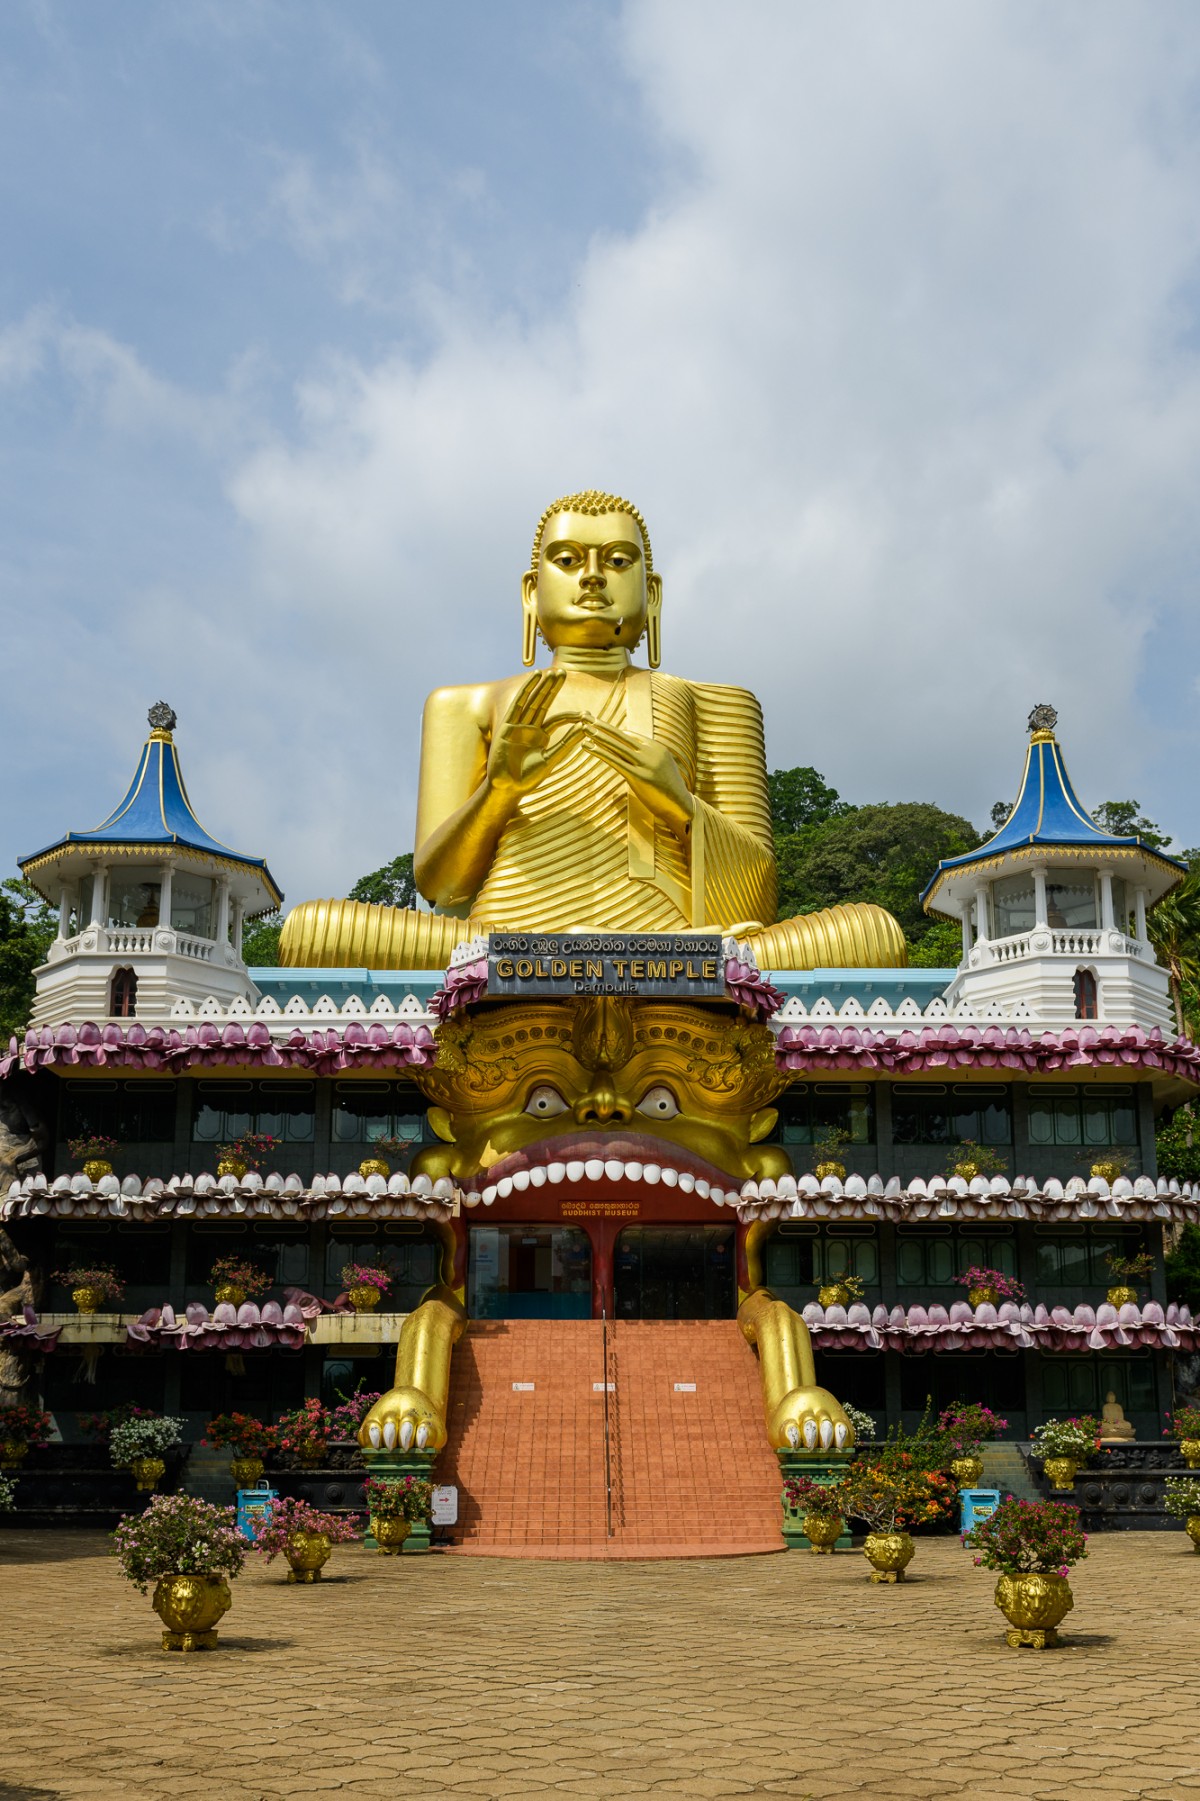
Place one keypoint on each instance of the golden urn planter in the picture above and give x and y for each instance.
(13, 1452)
(986, 1295)
(967, 1471)
(147, 1471)
(88, 1299)
(308, 1553)
(822, 1530)
(1033, 1606)
(246, 1471)
(889, 1554)
(390, 1532)
(831, 1167)
(1190, 1448)
(1060, 1472)
(96, 1168)
(1108, 1169)
(232, 1166)
(229, 1292)
(834, 1294)
(189, 1608)
(366, 1298)
(967, 1170)
(1121, 1295)
(1192, 1528)
(311, 1453)
(374, 1166)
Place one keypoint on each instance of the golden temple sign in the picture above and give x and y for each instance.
(675, 966)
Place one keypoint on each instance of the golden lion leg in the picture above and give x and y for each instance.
(412, 1415)
(799, 1415)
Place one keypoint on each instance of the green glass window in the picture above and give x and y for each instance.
(1012, 905)
(365, 1112)
(934, 1260)
(226, 1110)
(947, 1113)
(138, 1111)
(1070, 1115)
(809, 1110)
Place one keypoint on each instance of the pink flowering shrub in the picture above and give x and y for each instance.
(353, 1411)
(968, 1424)
(366, 1275)
(979, 1276)
(291, 1516)
(803, 1495)
(1029, 1538)
(178, 1535)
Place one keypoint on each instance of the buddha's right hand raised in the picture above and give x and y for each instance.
(403, 1419)
(521, 751)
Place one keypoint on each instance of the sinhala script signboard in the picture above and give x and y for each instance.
(677, 966)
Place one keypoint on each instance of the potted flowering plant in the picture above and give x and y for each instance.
(100, 1425)
(395, 1502)
(305, 1432)
(248, 1438)
(890, 1492)
(188, 1549)
(1182, 1495)
(384, 1151)
(236, 1278)
(1126, 1273)
(91, 1285)
(1065, 1446)
(349, 1416)
(967, 1425)
(8, 1493)
(863, 1423)
(95, 1152)
(817, 1506)
(1184, 1424)
(986, 1287)
(1032, 1544)
(250, 1151)
(366, 1283)
(977, 1160)
(827, 1153)
(841, 1292)
(305, 1537)
(138, 1444)
(20, 1427)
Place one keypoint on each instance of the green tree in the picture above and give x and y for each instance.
(940, 946)
(884, 853)
(1174, 928)
(260, 941)
(1124, 819)
(1183, 1269)
(27, 928)
(391, 886)
(801, 798)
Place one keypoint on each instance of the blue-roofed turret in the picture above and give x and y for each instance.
(1053, 908)
(151, 905)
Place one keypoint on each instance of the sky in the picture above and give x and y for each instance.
(887, 318)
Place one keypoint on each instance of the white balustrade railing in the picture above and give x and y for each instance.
(127, 940)
(200, 948)
(1077, 943)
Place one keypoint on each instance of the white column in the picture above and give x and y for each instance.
(1039, 897)
(239, 914)
(981, 918)
(1107, 919)
(221, 931)
(64, 911)
(966, 932)
(164, 895)
(1139, 903)
(99, 894)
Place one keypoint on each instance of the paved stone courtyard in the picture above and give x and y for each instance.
(478, 1678)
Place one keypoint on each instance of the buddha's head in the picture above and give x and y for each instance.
(535, 1084)
(591, 581)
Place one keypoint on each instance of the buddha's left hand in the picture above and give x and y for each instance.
(649, 768)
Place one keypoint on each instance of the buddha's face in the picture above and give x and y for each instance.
(592, 588)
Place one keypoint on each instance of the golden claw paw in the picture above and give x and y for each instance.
(403, 1419)
(809, 1419)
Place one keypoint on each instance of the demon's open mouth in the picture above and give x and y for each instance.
(598, 1156)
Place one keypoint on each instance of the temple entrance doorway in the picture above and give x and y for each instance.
(674, 1272)
(529, 1272)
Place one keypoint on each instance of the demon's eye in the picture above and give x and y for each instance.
(659, 1103)
(545, 1101)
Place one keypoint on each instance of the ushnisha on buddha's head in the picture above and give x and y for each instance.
(591, 582)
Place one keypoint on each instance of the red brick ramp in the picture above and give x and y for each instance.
(692, 1473)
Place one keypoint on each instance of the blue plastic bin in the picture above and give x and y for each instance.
(976, 1504)
(253, 1504)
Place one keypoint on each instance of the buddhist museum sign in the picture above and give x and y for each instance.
(674, 966)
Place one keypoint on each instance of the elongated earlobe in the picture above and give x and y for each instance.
(529, 625)
(654, 621)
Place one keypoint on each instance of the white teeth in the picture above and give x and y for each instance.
(652, 1173)
(839, 1434)
(702, 1188)
(406, 1435)
(504, 1187)
(614, 1169)
(520, 1180)
(389, 1433)
(634, 1171)
(489, 1194)
(687, 1181)
(422, 1436)
(826, 1434)
(717, 1195)
(793, 1435)
(537, 1176)
(593, 1169)
(472, 1200)
(374, 1434)
(810, 1434)
(575, 1170)
(670, 1176)
(556, 1172)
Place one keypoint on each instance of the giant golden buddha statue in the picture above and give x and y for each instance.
(592, 794)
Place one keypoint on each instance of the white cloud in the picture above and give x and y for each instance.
(902, 371)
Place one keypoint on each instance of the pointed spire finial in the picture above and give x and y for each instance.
(162, 719)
